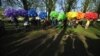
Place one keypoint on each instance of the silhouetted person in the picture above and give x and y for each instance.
(47, 22)
(15, 21)
(53, 21)
(65, 23)
(2, 28)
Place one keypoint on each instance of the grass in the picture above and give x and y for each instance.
(87, 32)
(82, 34)
(78, 32)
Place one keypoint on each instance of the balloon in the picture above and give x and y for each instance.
(54, 14)
(71, 15)
(42, 15)
(91, 15)
(10, 12)
(61, 16)
(32, 12)
(80, 15)
(21, 12)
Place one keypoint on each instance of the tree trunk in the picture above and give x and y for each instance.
(0, 3)
(50, 6)
(25, 4)
(49, 10)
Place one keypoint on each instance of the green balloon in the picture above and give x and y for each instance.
(54, 14)
(61, 16)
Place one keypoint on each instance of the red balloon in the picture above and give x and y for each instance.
(91, 15)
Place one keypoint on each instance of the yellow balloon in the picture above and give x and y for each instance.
(71, 15)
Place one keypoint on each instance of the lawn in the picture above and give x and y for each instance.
(52, 41)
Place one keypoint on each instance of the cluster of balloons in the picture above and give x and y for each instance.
(11, 12)
(72, 15)
(89, 16)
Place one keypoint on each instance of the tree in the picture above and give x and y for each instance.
(69, 5)
(86, 5)
(97, 6)
(0, 2)
(50, 5)
(25, 5)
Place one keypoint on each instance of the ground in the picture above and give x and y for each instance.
(44, 43)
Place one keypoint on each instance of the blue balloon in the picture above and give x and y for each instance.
(42, 15)
(32, 12)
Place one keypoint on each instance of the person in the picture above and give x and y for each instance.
(2, 27)
(47, 22)
(33, 22)
(26, 25)
(15, 22)
(74, 23)
(53, 22)
(60, 24)
(43, 25)
(65, 23)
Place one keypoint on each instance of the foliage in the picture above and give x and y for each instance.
(50, 5)
(69, 5)
(97, 6)
(1, 14)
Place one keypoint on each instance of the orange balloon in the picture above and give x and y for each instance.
(80, 15)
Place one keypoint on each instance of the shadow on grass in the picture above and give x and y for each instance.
(10, 38)
(78, 51)
(94, 46)
(34, 47)
(23, 49)
(47, 46)
(53, 47)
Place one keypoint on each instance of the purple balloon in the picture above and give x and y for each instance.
(10, 12)
(22, 12)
